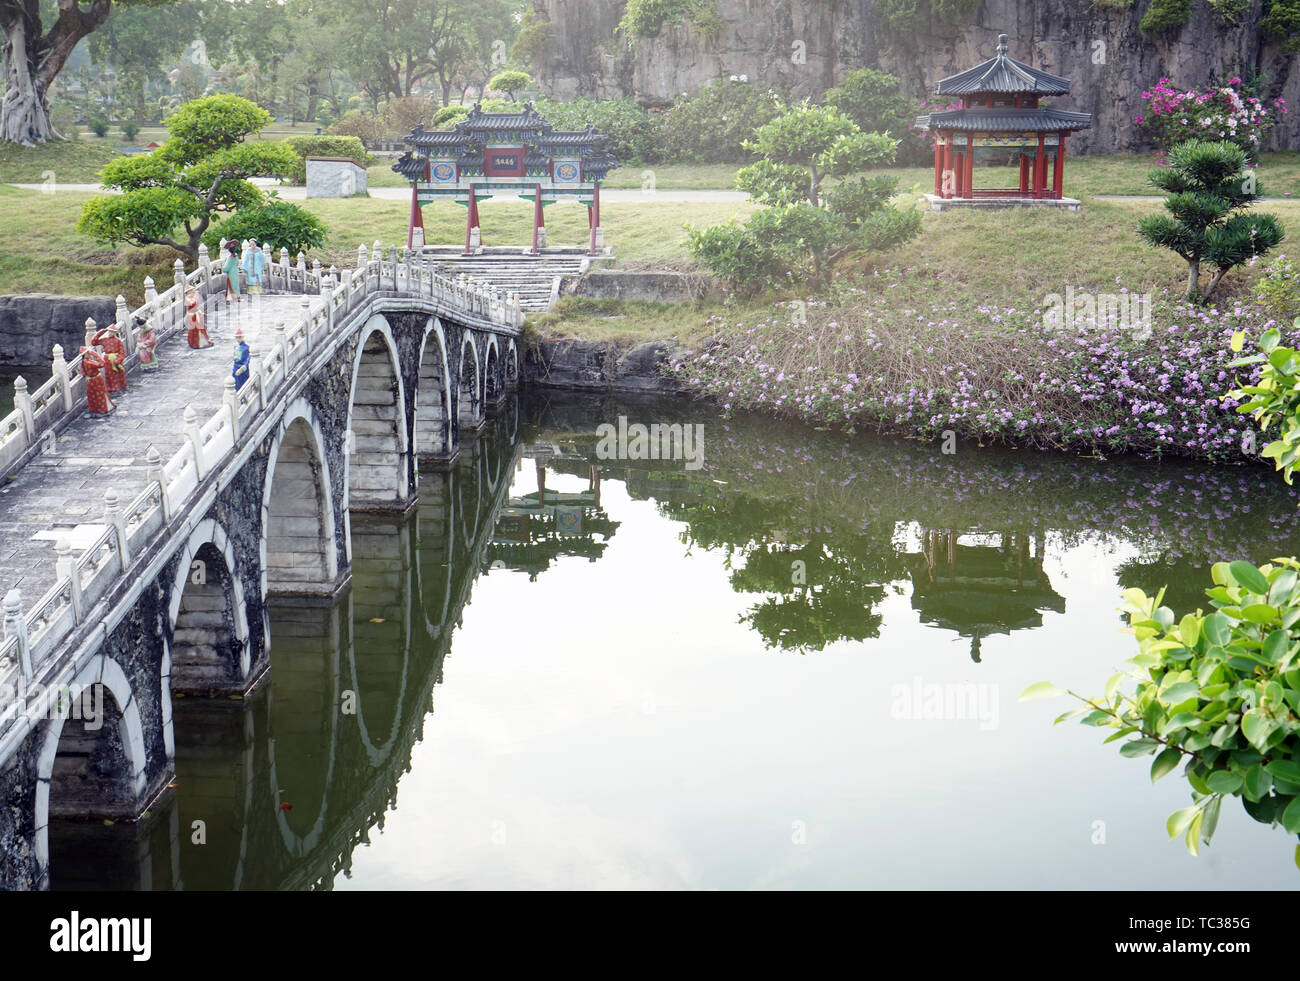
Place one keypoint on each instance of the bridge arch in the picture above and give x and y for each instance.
(469, 402)
(433, 395)
(76, 745)
(494, 389)
(298, 550)
(207, 616)
(377, 447)
(512, 366)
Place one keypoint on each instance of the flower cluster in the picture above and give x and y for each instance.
(1217, 113)
(989, 372)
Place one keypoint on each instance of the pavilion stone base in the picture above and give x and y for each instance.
(934, 202)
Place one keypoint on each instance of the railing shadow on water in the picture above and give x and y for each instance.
(31, 636)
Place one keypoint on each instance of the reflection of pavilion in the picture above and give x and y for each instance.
(978, 590)
(533, 530)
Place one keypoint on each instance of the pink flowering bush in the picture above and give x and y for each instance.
(999, 374)
(1220, 113)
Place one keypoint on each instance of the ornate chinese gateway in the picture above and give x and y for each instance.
(491, 153)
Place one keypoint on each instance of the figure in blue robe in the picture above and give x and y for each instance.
(253, 264)
(243, 360)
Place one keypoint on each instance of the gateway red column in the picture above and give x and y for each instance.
(969, 182)
(1024, 176)
(417, 218)
(947, 166)
(538, 219)
(471, 220)
(1040, 169)
(938, 169)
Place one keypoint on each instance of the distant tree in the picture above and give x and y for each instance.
(34, 56)
(171, 196)
(1209, 191)
(510, 82)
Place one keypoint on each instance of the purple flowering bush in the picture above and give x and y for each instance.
(857, 358)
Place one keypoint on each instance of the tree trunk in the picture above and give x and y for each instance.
(32, 61)
(1193, 278)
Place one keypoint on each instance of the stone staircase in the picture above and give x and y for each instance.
(534, 277)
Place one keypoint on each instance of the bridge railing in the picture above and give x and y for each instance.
(30, 637)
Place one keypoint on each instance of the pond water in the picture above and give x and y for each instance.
(794, 666)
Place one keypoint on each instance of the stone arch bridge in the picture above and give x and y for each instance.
(154, 539)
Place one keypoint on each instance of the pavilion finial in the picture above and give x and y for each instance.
(1002, 45)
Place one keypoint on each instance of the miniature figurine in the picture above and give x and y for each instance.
(113, 351)
(97, 400)
(231, 268)
(197, 332)
(242, 359)
(253, 264)
(146, 341)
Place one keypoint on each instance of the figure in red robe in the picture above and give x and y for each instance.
(92, 366)
(197, 332)
(113, 351)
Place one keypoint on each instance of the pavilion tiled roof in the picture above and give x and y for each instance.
(1003, 75)
(1006, 120)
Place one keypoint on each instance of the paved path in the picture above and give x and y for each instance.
(61, 491)
(607, 195)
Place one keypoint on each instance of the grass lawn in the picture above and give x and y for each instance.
(71, 162)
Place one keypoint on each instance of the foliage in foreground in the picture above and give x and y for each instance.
(1219, 693)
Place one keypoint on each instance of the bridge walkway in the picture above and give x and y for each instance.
(60, 492)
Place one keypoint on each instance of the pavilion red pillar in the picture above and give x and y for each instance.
(417, 218)
(1040, 169)
(938, 168)
(538, 219)
(969, 182)
(593, 214)
(947, 166)
(1024, 176)
(1058, 172)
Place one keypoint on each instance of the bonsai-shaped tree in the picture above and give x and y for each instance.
(804, 232)
(172, 195)
(1208, 221)
(509, 82)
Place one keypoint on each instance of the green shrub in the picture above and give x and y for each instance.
(98, 126)
(324, 146)
(510, 82)
(281, 223)
(713, 125)
(130, 129)
(648, 18)
(1282, 23)
(630, 129)
(875, 101)
(1165, 17)
(448, 116)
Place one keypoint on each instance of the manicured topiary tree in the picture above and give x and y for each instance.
(1208, 221)
(510, 82)
(171, 196)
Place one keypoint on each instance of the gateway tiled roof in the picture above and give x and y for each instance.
(1006, 120)
(1004, 75)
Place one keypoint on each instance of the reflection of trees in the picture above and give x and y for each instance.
(820, 587)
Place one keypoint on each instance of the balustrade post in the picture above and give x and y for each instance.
(91, 329)
(65, 567)
(23, 403)
(284, 261)
(230, 399)
(122, 317)
(113, 516)
(282, 339)
(205, 263)
(362, 259)
(306, 323)
(150, 293)
(178, 273)
(15, 626)
(315, 271)
(302, 269)
(155, 475)
(327, 294)
(196, 440)
(59, 369)
(334, 275)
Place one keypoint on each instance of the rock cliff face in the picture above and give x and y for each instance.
(1098, 47)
